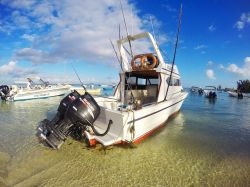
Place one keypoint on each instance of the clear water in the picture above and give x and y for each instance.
(206, 144)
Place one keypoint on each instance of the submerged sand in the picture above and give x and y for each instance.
(192, 150)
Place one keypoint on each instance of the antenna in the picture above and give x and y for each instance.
(176, 44)
(124, 20)
(116, 53)
(151, 21)
(120, 32)
(78, 77)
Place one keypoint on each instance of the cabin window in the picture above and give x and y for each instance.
(131, 80)
(141, 88)
(174, 81)
(141, 81)
(152, 81)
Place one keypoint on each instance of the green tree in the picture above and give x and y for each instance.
(243, 86)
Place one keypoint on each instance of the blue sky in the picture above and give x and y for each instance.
(44, 37)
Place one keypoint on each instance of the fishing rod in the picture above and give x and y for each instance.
(129, 86)
(116, 54)
(124, 20)
(79, 78)
(176, 44)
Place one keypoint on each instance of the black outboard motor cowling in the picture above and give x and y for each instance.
(66, 101)
(54, 132)
(4, 91)
(74, 112)
(83, 110)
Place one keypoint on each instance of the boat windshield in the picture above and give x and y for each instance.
(210, 88)
(141, 86)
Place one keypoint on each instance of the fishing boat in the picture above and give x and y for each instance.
(149, 92)
(32, 90)
(210, 92)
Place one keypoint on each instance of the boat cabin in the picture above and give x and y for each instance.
(144, 79)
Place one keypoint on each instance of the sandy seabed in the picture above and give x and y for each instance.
(194, 149)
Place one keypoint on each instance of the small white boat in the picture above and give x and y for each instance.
(90, 88)
(33, 90)
(92, 91)
(195, 89)
(232, 94)
(210, 92)
(238, 94)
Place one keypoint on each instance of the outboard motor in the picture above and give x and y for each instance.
(4, 91)
(75, 113)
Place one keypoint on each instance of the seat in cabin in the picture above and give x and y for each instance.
(142, 96)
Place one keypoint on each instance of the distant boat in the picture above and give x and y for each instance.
(107, 87)
(210, 92)
(90, 90)
(238, 94)
(195, 89)
(32, 90)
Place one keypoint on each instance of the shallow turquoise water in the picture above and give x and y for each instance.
(206, 144)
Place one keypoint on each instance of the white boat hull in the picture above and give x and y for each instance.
(40, 93)
(133, 126)
(235, 94)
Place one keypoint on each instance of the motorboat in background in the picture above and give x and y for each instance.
(195, 89)
(107, 87)
(32, 90)
(91, 88)
(238, 94)
(210, 92)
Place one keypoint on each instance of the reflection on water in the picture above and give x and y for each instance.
(205, 144)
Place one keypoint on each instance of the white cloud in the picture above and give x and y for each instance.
(212, 28)
(243, 71)
(29, 37)
(11, 68)
(210, 62)
(74, 29)
(243, 21)
(210, 74)
(198, 47)
(37, 56)
(19, 4)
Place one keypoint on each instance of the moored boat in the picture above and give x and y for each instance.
(148, 93)
(33, 91)
(210, 92)
(195, 89)
(91, 90)
(238, 94)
